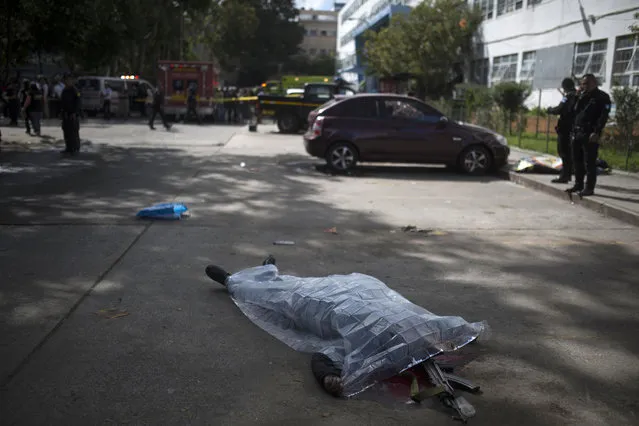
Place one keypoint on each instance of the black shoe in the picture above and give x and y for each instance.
(560, 180)
(270, 260)
(217, 274)
(587, 192)
(575, 188)
(151, 127)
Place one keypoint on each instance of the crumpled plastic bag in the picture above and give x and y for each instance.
(372, 332)
(167, 211)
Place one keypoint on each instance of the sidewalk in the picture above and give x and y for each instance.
(617, 194)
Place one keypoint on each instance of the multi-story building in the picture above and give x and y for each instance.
(320, 31)
(538, 41)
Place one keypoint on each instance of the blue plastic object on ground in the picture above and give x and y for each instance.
(170, 211)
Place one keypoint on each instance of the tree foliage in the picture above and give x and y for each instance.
(430, 43)
(310, 65)
(130, 36)
(626, 115)
(635, 27)
(510, 97)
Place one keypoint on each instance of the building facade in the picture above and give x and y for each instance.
(320, 31)
(536, 41)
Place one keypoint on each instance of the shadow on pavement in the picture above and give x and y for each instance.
(565, 316)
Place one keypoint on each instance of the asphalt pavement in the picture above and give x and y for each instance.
(557, 283)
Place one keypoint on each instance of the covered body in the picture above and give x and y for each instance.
(371, 331)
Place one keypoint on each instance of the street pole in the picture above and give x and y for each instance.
(181, 31)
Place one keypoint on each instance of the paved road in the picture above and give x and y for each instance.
(556, 282)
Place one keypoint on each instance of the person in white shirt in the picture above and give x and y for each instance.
(106, 100)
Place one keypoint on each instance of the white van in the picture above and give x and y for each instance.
(90, 88)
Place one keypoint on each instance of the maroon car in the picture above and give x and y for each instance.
(399, 129)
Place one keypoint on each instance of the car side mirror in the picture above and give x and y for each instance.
(443, 122)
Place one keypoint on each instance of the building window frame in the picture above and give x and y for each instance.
(590, 58)
(508, 6)
(480, 71)
(487, 8)
(528, 61)
(625, 69)
(504, 68)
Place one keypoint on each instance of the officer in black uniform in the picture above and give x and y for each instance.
(158, 108)
(70, 106)
(591, 114)
(565, 110)
(191, 103)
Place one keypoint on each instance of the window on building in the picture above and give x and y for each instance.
(504, 68)
(479, 71)
(322, 51)
(590, 58)
(625, 69)
(486, 7)
(507, 6)
(528, 60)
(323, 33)
(314, 17)
(313, 33)
(533, 3)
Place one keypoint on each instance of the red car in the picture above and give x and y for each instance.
(399, 129)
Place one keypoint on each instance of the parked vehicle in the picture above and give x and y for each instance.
(400, 129)
(177, 77)
(291, 112)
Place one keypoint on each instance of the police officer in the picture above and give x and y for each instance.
(191, 103)
(565, 110)
(70, 108)
(158, 108)
(591, 114)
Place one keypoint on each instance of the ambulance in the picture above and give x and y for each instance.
(177, 76)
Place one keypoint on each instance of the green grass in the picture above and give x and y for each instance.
(616, 160)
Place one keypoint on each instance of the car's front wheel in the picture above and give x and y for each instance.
(342, 157)
(475, 160)
(288, 123)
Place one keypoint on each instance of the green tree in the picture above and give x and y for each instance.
(311, 65)
(432, 42)
(635, 27)
(510, 96)
(626, 117)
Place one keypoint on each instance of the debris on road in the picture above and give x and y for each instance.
(170, 211)
(412, 228)
(112, 313)
(332, 230)
(283, 243)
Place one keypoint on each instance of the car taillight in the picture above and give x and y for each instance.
(316, 130)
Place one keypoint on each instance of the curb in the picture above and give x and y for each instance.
(606, 210)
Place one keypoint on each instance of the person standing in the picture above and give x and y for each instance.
(33, 107)
(23, 96)
(591, 114)
(191, 103)
(44, 88)
(158, 108)
(106, 100)
(565, 111)
(70, 109)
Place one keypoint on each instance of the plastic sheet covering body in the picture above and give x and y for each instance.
(371, 331)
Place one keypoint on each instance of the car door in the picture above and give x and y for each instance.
(356, 119)
(417, 131)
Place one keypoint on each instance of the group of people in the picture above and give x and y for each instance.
(26, 100)
(583, 113)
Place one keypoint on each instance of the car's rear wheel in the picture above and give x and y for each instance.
(475, 160)
(288, 123)
(342, 157)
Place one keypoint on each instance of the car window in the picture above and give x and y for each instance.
(355, 108)
(320, 92)
(116, 85)
(408, 110)
(89, 84)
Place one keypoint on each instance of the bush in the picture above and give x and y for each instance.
(536, 111)
(626, 118)
(510, 96)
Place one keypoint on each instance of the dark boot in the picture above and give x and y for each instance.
(561, 179)
(587, 192)
(217, 274)
(270, 260)
(576, 188)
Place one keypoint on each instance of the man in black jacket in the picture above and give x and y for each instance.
(158, 108)
(591, 114)
(70, 106)
(565, 110)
